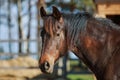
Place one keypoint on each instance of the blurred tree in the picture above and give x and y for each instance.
(29, 26)
(19, 25)
(3, 15)
(86, 5)
(71, 5)
(1, 49)
(9, 24)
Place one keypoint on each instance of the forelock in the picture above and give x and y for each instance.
(49, 25)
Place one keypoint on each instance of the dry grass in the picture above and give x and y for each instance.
(19, 74)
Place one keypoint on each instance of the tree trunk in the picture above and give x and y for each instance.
(9, 24)
(29, 28)
(20, 26)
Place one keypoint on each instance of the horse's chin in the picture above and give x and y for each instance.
(49, 72)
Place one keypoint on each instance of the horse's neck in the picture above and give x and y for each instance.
(90, 61)
(91, 57)
(74, 26)
(91, 46)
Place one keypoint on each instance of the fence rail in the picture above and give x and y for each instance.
(20, 40)
(19, 67)
(38, 40)
(19, 54)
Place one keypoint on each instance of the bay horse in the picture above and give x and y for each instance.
(95, 41)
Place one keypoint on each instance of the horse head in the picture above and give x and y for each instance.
(53, 40)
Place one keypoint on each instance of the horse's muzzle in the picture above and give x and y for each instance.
(46, 68)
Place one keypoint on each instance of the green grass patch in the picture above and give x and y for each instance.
(80, 77)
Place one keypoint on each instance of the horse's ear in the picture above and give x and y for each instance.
(56, 13)
(42, 12)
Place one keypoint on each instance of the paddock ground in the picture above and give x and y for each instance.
(25, 68)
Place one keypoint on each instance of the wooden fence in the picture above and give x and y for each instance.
(62, 69)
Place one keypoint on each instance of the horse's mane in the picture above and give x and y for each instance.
(75, 24)
(108, 23)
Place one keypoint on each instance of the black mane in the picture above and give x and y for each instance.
(75, 24)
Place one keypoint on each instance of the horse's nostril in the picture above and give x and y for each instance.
(46, 65)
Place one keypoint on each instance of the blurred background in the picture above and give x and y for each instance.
(20, 41)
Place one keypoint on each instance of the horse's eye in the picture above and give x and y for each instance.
(58, 27)
(58, 34)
